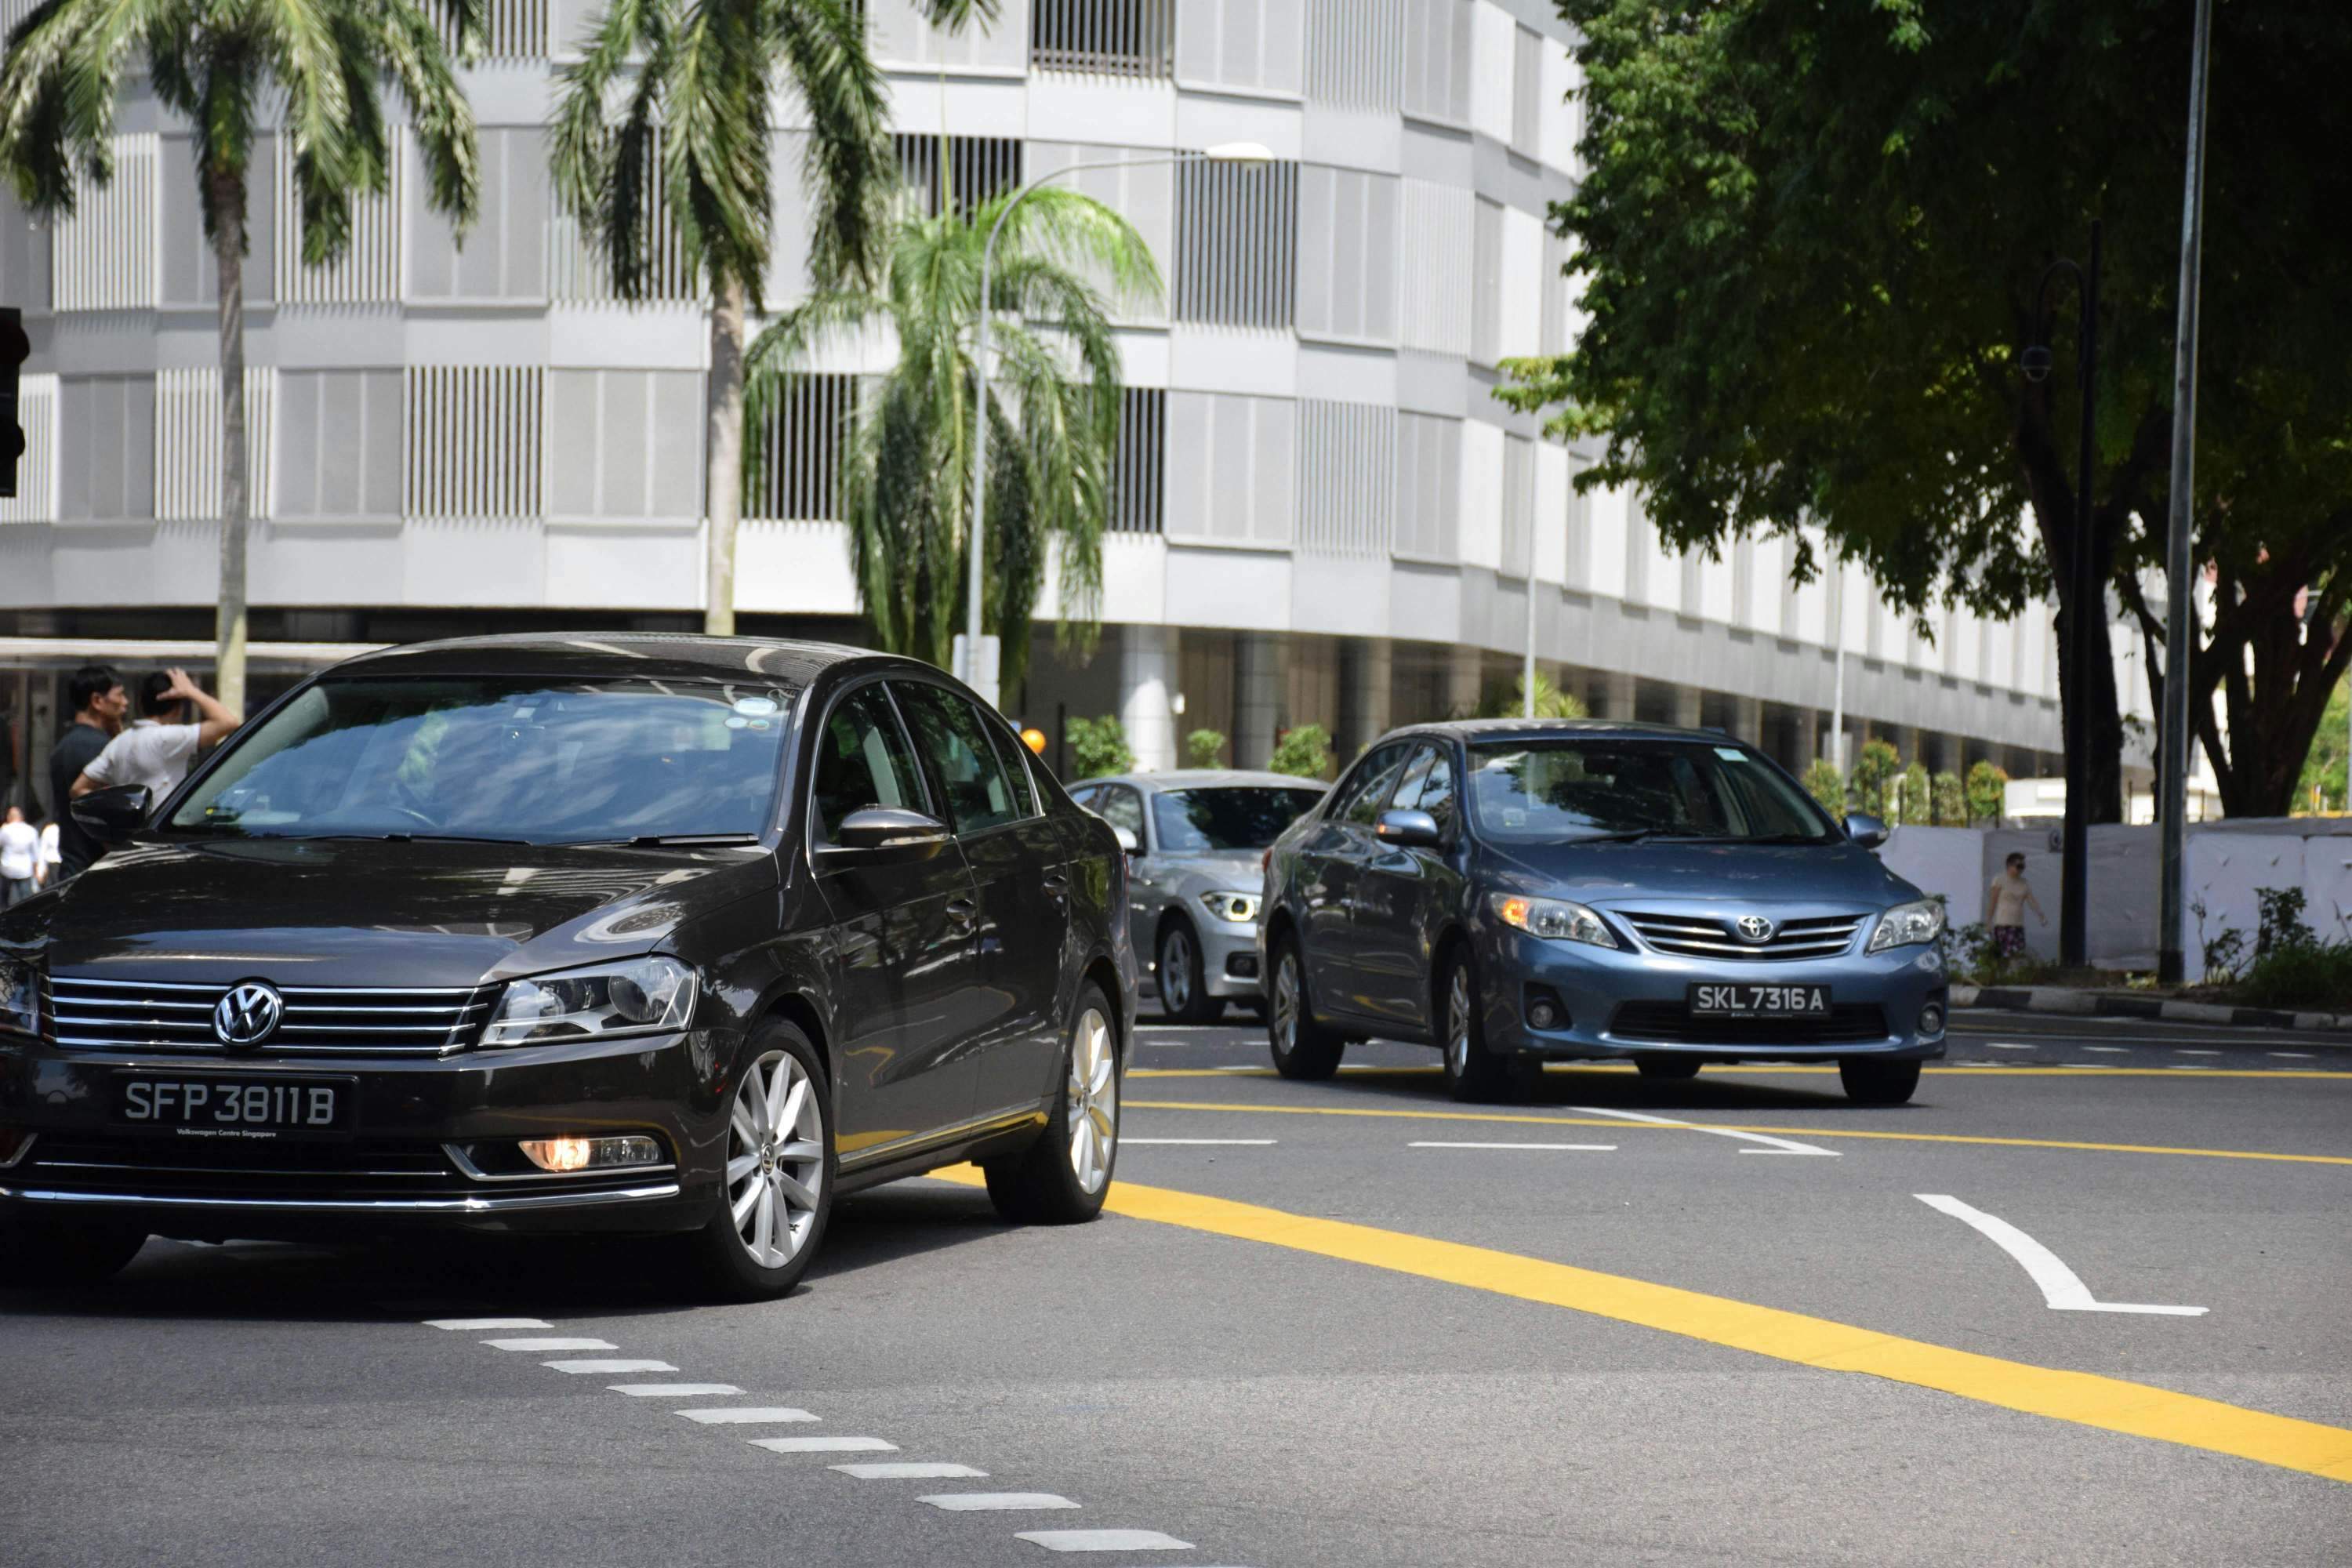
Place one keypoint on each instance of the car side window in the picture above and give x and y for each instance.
(1408, 789)
(1122, 807)
(863, 758)
(1364, 802)
(979, 793)
(1015, 757)
(1084, 799)
(1437, 796)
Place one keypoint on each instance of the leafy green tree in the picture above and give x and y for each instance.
(1854, 205)
(1551, 702)
(224, 66)
(1098, 746)
(1053, 409)
(1825, 784)
(2321, 787)
(1915, 808)
(1205, 748)
(664, 125)
(1877, 767)
(1951, 798)
(1303, 751)
(1988, 792)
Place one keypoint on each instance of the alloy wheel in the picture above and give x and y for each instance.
(1286, 1001)
(1457, 1021)
(1092, 1100)
(775, 1159)
(1176, 971)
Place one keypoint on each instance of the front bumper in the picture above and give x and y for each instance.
(1229, 961)
(1628, 1001)
(404, 1163)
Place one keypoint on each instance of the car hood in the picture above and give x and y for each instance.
(1607, 874)
(1242, 870)
(312, 911)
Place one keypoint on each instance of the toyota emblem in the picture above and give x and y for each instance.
(1755, 928)
(249, 1015)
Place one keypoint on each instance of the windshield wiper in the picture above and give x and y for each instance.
(399, 837)
(676, 841)
(1630, 836)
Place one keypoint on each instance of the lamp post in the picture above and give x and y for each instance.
(973, 668)
(2088, 615)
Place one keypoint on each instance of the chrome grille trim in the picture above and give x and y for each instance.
(91, 1014)
(1700, 936)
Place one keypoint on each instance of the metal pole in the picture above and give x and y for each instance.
(1527, 657)
(2085, 627)
(1837, 697)
(2180, 631)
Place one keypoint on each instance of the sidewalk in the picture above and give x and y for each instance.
(2127, 1005)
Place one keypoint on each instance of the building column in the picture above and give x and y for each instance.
(1147, 680)
(1616, 695)
(1257, 697)
(1365, 665)
(1465, 682)
(1690, 707)
(1747, 721)
(1811, 736)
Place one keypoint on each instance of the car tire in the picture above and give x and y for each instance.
(44, 1255)
(776, 1186)
(1183, 988)
(1474, 1073)
(1303, 1049)
(1661, 1068)
(1875, 1080)
(1064, 1177)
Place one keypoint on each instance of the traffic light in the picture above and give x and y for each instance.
(15, 346)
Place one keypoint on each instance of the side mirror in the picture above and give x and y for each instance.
(1866, 831)
(112, 815)
(1126, 840)
(890, 828)
(1408, 829)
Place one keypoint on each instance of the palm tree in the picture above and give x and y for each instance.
(1052, 411)
(667, 116)
(216, 62)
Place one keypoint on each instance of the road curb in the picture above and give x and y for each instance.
(2111, 1005)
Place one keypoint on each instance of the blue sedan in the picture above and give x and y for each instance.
(1518, 891)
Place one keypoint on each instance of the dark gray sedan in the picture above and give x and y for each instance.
(1196, 839)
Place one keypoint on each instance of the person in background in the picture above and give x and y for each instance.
(2006, 902)
(96, 695)
(46, 874)
(20, 859)
(156, 753)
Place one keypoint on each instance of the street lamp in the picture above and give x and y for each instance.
(2089, 613)
(973, 668)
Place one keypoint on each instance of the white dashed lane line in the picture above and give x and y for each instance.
(2294, 1055)
(486, 1324)
(2115, 1050)
(823, 1445)
(1103, 1540)
(1591, 1148)
(746, 1415)
(551, 1343)
(578, 1367)
(910, 1470)
(674, 1390)
(994, 1503)
(2191, 1051)
(2005, 1046)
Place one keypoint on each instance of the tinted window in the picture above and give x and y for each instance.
(1122, 807)
(1368, 788)
(863, 760)
(1015, 757)
(952, 737)
(1197, 821)
(534, 758)
(1568, 789)
(1429, 786)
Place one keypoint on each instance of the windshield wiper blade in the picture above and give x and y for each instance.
(1630, 836)
(399, 837)
(685, 841)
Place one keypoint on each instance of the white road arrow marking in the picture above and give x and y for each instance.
(1772, 1145)
(2060, 1287)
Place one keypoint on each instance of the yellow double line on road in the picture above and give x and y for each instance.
(1814, 1132)
(2140, 1410)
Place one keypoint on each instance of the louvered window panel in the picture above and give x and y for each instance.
(105, 447)
(1487, 282)
(1429, 488)
(1234, 473)
(576, 254)
(473, 440)
(1140, 191)
(1355, 52)
(107, 256)
(624, 443)
(1347, 255)
(1347, 478)
(1526, 92)
(1107, 37)
(1435, 258)
(1139, 473)
(1437, 59)
(1519, 505)
(1253, 44)
(513, 29)
(503, 257)
(367, 272)
(801, 450)
(1237, 243)
(188, 442)
(976, 170)
(25, 258)
(36, 499)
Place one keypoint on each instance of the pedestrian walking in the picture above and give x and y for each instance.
(2006, 902)
(20, 859)
(161, 744)
(46, 874)
(95, 697)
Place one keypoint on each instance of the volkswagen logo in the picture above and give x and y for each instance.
(247, 1016)
(1755, 928)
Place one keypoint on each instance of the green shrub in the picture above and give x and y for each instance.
(1205, 748)
(2313, 974)
(1826, 784)
(1304, 750)
(1915, 806)
(1551, 702)
(1873, 772)
(1950, 798)
(1988, 793)
(2280, 924)
(1098, 746)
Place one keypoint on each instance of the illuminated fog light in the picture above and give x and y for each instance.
(1931, 1019)
(564, 1155)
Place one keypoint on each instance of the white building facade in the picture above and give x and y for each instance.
(1323, 514)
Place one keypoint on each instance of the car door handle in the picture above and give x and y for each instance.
(962, 910)
(1057, 886)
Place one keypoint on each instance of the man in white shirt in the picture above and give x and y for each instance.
(20, 857)
(152, 752)
(52, 853)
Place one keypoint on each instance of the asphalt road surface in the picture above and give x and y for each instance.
(2084, 1302)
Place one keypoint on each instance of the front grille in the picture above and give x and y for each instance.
(222, 1168)
(1704, 936)
(319, 1020)
(1670, 1023)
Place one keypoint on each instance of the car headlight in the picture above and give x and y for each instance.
(640, 996)
(1906, 925)
(20, 997)
(1555, 918)
(1237, 908)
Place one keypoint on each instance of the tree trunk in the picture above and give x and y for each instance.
(723, 487)
(2092, 688)
(225, 193)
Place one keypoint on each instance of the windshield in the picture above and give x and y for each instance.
(540, 759)
(1202, 821)
(1553, 790)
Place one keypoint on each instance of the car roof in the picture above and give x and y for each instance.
(677, 655)
(1204, 778)
(1550, 729)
